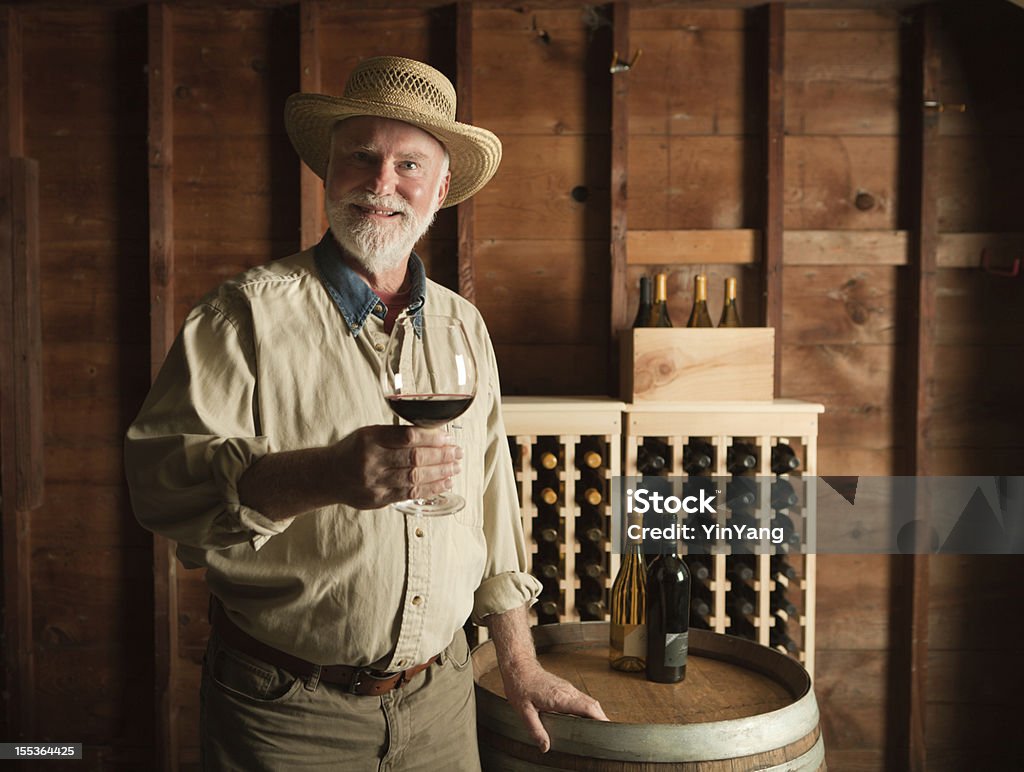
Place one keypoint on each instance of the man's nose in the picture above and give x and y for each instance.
(383, 180)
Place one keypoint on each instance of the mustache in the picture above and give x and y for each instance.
(394, 203)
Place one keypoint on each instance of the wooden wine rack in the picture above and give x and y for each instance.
(565, 422)
(559, 425)
(764, 424)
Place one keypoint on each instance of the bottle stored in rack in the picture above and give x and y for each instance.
(784, 459)
(590, 453)
(654, 457)
(741, 458)
(742, 493)
(698, 457)
(547, 454)
(783, 494)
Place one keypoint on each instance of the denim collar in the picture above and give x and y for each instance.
(350, 293)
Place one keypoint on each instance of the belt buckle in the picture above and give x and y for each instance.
(357, 680)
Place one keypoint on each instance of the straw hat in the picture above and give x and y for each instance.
(404, 90)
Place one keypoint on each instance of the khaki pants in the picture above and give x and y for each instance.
(254, 716)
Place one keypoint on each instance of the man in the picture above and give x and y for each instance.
(266, 451)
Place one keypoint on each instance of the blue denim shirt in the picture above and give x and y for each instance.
(350, 293)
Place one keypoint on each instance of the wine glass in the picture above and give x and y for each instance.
(429, 378)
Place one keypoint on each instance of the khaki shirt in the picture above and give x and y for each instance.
(264, 364)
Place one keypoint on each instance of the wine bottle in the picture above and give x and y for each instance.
(547, 454)
(739, 607)
(594, 608)
(783, 494)
(790, 535)
(779, 639)
(643, 311)
(668, 618)
(784, 459)
(545, 495)
(742, 626)
(592, 496)
(547, 609)
(699, 316)
(740, 569)
(593, 535)
(592, 570)
(730, 313)
(548, 534)
(659, 308)
(698, 457)
(628, 645)
(782, 571)
(545, 570)
(741, 458)
(652, 457)
(700, 611)
(699, 572)
(741, 493)
(782, 606)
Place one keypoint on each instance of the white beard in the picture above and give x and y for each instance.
(378, 246)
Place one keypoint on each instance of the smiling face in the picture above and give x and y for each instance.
(385, 182)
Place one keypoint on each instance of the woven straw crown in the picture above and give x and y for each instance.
(404, 90)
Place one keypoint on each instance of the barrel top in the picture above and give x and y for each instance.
(740, 701)
(726, 678)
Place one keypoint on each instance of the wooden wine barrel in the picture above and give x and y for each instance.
(741, 707)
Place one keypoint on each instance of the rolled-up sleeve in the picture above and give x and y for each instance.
(197, 434)
(506, 583)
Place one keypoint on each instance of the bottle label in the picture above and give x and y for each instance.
(634, 641)
(676, 646)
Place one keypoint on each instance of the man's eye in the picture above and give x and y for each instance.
(361, 155)
(410, 165)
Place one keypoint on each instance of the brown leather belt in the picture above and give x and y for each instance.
(355, 680)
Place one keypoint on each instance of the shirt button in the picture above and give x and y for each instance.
(379, 346)
(401, 663)
(379, 309)
(419, 533)
(417, 600)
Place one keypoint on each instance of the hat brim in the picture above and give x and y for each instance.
(474, 152)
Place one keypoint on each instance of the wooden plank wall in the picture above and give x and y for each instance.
(839, 337)
(697, 112)
(542, 265)
(974, 635)
(91, 568)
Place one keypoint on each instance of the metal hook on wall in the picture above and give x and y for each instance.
(542, 34)
(1011, 272)
(620, 65)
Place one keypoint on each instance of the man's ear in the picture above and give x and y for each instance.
(442, 191)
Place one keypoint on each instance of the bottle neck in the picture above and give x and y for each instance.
(660, 288)
(700, 289)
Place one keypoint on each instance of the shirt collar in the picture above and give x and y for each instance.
(352, 295)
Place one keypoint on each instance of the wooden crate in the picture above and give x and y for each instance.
(676, 364)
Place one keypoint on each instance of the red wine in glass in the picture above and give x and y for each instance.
(430, 410)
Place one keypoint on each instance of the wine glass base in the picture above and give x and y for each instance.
(435, 506)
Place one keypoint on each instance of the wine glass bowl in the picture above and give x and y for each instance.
(429, 379)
